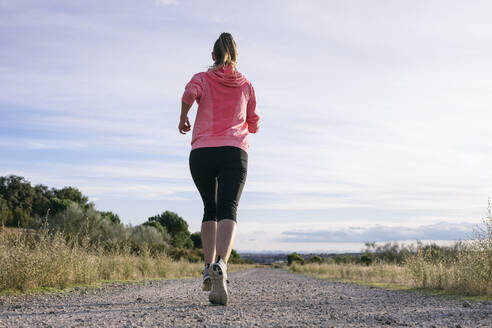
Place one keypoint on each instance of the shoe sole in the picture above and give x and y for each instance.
(219, 294)
(207, 285)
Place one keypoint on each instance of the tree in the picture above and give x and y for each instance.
(72, 194)
(5, 214)
(28, 206)
(111, 217)
(18, 194)
(294, 257)
(162, 230)
(235, 257)
(42, 201)
(316, 259)
(366, 259)
(176, 227)
(196, 237)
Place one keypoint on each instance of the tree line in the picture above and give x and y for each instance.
(67, 209)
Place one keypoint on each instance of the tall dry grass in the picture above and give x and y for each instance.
(378, 273)
(465, 268)
(468, 272)
(37, 259)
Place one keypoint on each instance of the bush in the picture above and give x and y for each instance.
(235, 257)
(366, 259)
(344, 259)
(316, 259)
(294, 257)
(22, 205)
(176, 227)
(386, 253)
(88, 223)
(196, 238)
(190, 255)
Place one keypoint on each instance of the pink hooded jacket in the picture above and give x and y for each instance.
(226, 108)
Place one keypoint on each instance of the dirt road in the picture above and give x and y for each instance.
(258, 298)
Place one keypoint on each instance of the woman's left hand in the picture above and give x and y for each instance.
(184, 125)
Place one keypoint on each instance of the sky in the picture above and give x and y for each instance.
(375, 115)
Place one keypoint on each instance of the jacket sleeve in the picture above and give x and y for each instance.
(251, 114)
(193, 90)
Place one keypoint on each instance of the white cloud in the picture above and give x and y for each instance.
(380, 233)
(167, 2)
(381, 106)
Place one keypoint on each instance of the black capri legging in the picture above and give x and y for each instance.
(219, 174)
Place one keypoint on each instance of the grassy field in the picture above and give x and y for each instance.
(388, 274)
(34, 261)
(464, 269)
(467, 274)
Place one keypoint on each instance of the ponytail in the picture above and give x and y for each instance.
(225, 51)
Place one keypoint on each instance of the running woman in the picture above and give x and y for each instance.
(218, 159)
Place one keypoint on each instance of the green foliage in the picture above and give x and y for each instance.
(147, 237)
(196, 237)
(158, 227)
(73, 195)
(111, 217)
(24, 206)
(386, 253)
(88, 224)
(294, 257)
(344, 259)
(176, 227)
(191, 255)
(57, 205)
(235, 257)
(366, 259)
(5, 214)
(67, 210)
(316, 259)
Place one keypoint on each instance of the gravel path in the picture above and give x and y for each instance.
(262, 297)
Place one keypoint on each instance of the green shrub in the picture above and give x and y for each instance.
(366, 259)
(196, 238)
(316, 259)
(294, 257)
(235, 257)
(190, 255)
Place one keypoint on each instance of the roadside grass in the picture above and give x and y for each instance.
(389, 274)
(464, 270)
(386, 276)
(43, 262)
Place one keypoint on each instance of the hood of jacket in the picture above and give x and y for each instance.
(227, 76)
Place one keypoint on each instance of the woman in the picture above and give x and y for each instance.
(218, 158)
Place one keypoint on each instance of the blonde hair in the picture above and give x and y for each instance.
(225, 51)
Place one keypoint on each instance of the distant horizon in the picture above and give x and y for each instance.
(348, 250)
(374, 116)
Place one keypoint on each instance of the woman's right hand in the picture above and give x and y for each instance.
(184, 125)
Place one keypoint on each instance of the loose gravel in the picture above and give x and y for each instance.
(263, 297)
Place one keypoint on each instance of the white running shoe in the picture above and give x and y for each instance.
(207, 283)
(218, 274)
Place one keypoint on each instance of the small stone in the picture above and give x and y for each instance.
(467, 304)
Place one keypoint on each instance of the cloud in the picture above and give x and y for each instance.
(379, 233)
(389, 125)
(167, 2)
